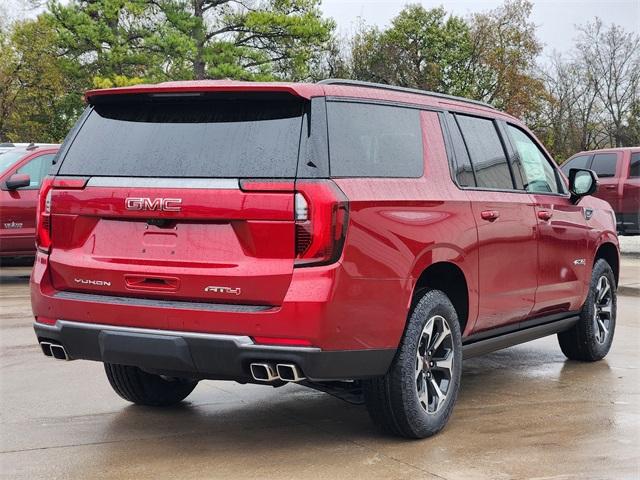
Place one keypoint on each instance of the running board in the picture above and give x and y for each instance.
(491, 344)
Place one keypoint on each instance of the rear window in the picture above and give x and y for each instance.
(203, 137)
(367, 140)
(604, 164)
(634, 168)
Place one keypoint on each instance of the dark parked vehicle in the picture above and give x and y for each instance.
(355, 238)
(618, 172)
(21, 172)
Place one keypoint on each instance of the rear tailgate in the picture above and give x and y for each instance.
(165, 213)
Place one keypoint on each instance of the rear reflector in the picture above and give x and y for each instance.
(321, 215)
(295, 342)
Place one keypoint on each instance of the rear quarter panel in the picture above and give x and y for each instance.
(397, 228)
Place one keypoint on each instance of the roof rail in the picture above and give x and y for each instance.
(382, 86)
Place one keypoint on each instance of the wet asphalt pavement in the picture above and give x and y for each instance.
(524, 412)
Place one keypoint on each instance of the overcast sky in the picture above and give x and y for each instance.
(556, 19)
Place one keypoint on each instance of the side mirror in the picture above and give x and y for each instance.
(582, 182)
(18, 180)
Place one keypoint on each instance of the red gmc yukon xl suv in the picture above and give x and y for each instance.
(355, 238)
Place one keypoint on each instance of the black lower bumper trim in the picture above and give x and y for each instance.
(222, 357)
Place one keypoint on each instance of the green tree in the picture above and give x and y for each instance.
(107, 40)
(424, 49)
(504, 54)
(39, 101)
(241, 39)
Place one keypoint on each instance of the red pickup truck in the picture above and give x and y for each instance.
(21, 173)
(618, 170)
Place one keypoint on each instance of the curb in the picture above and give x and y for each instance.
(628, 291)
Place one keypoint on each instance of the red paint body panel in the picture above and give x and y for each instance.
(508, 257)
(219, 239)
(516, 263)
(18, 207)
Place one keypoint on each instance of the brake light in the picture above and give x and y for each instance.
(43, 209)
(43, 216)
(321, 216)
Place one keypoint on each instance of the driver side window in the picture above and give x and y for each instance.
(37, 169)
(538, 174)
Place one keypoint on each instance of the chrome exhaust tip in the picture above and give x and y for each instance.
(289, 372)
(46, 348)
(263, 372)
(58, 351)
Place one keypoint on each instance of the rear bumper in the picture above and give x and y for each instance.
(201, 355)
(325, 307)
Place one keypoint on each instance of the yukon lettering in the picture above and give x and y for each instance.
(97, 283)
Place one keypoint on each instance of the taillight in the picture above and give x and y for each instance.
(43, 209)
(321, 216)
(43, 215)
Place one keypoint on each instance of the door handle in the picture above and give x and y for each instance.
(490, 215)
(610, 187)
(545, 215)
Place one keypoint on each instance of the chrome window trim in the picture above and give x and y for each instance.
(147, 182)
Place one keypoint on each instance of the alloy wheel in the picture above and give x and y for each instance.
(603, 307)
(434, 364)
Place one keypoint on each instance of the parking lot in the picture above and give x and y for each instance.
(525, 412)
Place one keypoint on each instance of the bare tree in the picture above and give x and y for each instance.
(612, 61)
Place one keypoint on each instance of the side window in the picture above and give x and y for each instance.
(538, 174)
(463, 169)
(37, 169)
(368, 140)
(581, 161)
(487, 154)
(604, 164)
(634, 168)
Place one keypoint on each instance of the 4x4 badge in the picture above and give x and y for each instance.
(231, 291)
(13, 225)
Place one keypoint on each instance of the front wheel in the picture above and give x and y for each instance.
(143, 388)
(416, 396)
(590, 339)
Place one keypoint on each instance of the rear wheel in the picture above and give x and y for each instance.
(416, 397)
(590, 339)
(143, 388)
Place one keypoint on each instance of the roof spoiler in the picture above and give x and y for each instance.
(196, 88)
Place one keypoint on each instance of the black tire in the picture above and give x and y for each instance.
(585, 341)
(393, 400)
(142, 388)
